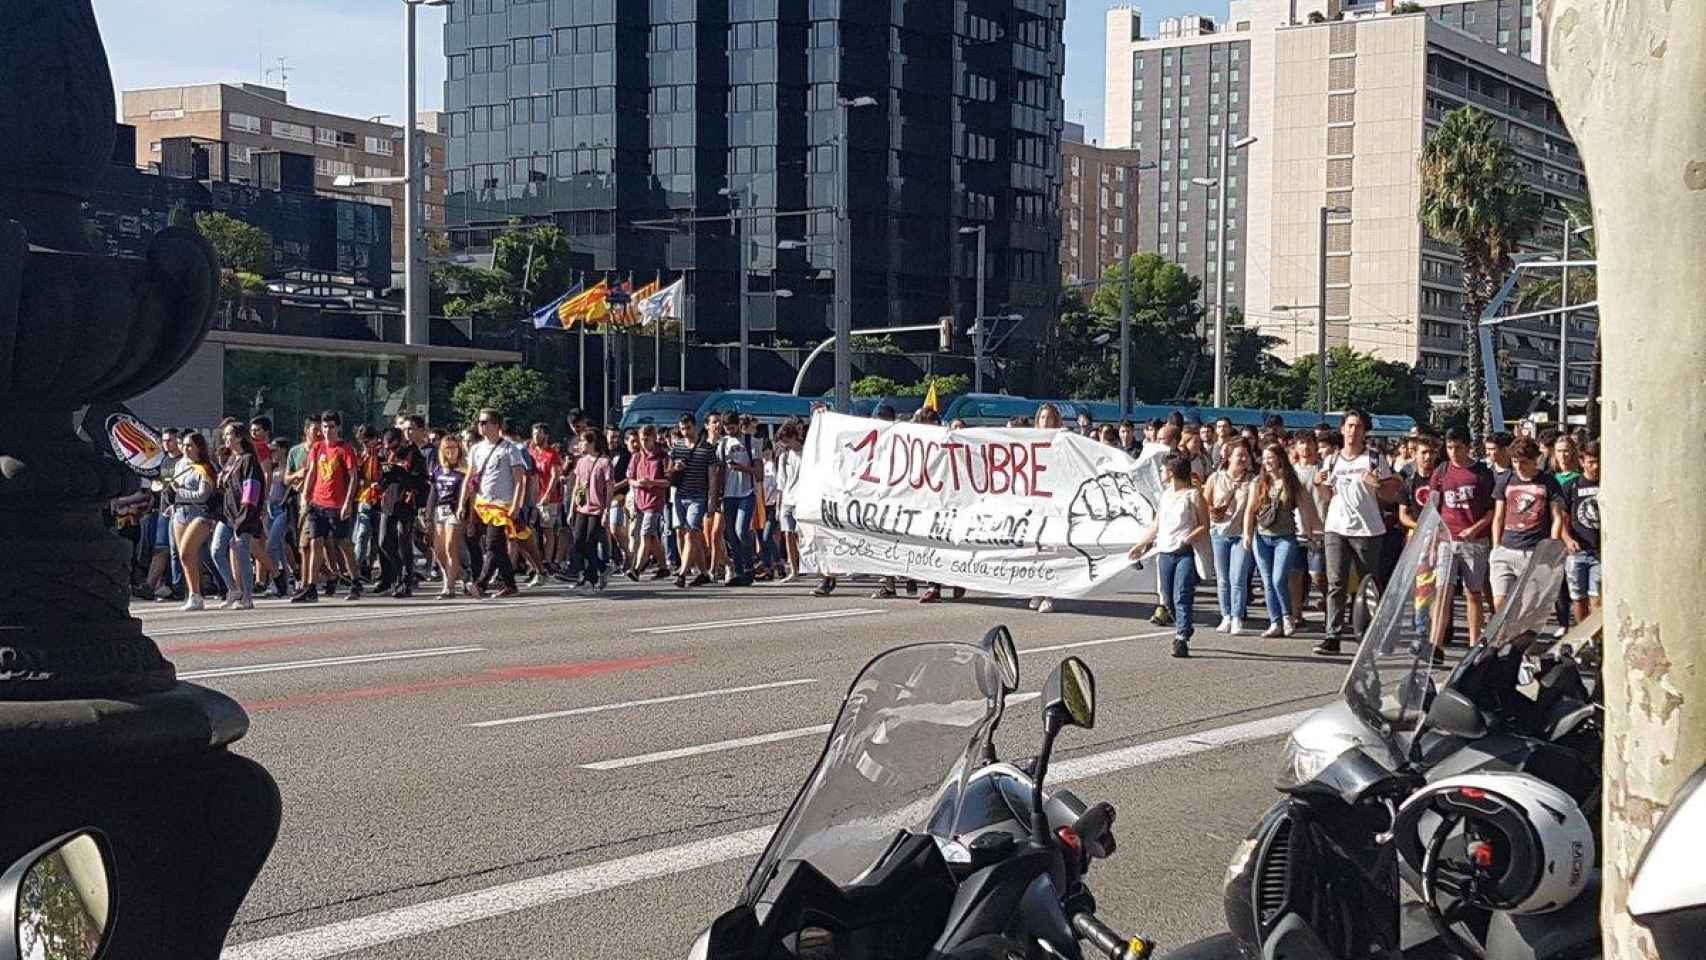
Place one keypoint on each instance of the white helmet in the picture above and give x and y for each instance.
(1500, 841)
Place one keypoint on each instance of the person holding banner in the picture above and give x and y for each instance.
(1180, 522)
(1048, 418)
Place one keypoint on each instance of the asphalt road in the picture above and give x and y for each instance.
(578, 775)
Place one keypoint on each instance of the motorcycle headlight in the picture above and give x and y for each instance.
(1302, 762)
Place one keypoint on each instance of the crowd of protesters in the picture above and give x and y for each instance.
(1309, 514)
(383, 511)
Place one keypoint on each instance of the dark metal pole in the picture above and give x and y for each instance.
(1321, 324)
(1564, 334)
(979, 334)
(657, 341)
(843, 266)
(1125, 301)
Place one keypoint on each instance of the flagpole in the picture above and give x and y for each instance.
(628, 332)
(686, 308)
(604, 360)
(580, 377)
(657, 340)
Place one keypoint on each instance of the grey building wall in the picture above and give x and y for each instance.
(1185, 97)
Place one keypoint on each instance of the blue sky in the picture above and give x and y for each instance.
(345, 56)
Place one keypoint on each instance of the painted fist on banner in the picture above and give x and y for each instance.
(1107, 515)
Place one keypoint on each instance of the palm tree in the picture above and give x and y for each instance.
(1542, 292)
(1473, 200)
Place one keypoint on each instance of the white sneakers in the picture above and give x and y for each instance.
(1033, 602)
(1224, 626)
(1291, 627)
(1045, 605)
(1236, 628)
(537, 581)
(193, 603)
(1275, 629)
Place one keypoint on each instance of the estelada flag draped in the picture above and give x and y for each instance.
(580, 308)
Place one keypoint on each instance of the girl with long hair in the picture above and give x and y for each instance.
(193, 487)
(1278, 504)
(448, 476)
(242, 489)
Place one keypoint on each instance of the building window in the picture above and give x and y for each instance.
(244, 122)
(292, 131)
(239, 154)
(380, 145)
(1184, 247)
(1165, 248)
(1166, 81)
(333, 168)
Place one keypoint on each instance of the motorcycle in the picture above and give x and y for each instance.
(1324, 873)
(910, 839)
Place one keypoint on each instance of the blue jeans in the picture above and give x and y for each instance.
(278, 527)
(366, 537)
(1232, 575)
(1178, 573)
(238, 583)
(737, 532)
(1275, 557)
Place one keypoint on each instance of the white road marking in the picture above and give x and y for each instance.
(401, 923)
(1096, 643)
(326, 662)
(735, 744)
(601, 708)
(755, 621)
(437, 610)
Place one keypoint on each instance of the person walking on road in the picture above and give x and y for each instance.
(242, 488)
(193, 489)
(1180, 521)
(590, 502)
(1463, 489)
(693, 472)
(740, 471)
(789, 441)
(1271, 525)
(648, 478)
(1581, 534)
(449, 474)
(328, 495)
(496, 491)
(1228, 495)
(1048, 418)
(403, 490)
(1528, 507)
(1355, 480)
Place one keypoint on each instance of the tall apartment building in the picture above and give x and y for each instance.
(250, 118)
(597, 114)
(1172, 98)
(1098, 201)
(1355, 101)
(1339, 97)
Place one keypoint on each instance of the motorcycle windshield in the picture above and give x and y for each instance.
(1530, 602)
(908, 735)
(1387, 686)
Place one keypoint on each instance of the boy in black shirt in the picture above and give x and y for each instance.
(1581, 534)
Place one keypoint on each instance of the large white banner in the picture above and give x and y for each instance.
(1006, 511)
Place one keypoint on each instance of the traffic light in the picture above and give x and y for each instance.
(947, 335)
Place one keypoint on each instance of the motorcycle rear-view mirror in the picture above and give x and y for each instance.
(58, 900)
(1668, 896)
(999, 642)
(1070, 695)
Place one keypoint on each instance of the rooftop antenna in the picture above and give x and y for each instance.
(283, 72)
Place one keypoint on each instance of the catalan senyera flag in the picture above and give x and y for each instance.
(627, 316)
(580, 307)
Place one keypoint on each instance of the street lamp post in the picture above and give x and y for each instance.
(416, 326)
(737, 199)
(1219, 183)
(977, 333)
(844, 255)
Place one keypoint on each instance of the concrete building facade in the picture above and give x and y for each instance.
(1098, 206)
(1171, 99)
(1355, 102)
(250, 118)
(1340, 96)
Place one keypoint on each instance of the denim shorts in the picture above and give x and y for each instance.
(1581, 572)
(183, 513)
(690, 512)
(789, 524)
(614, 514)
(650, 522)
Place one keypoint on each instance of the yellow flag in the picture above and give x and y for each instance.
(931, 400)
(580, 307)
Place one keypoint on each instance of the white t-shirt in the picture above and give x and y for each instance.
(493, 466)
(1355, 510)
(733, 450)
(1177, 517)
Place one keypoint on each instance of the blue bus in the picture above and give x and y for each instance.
(987, 409)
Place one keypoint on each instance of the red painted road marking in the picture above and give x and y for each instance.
(261, 643)
(553, 671)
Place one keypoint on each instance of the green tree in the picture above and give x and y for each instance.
(476, 292)
(946, 384)
(872, 345)
(1408, 6)
(1083, 354)
(241, 247)
(1473, 199)
(876, 386)
(1354, 380)
(520, 394)
(537, 261)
